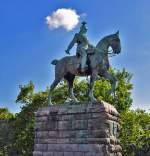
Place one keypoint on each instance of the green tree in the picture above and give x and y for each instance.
(135, 129)
(5, 114)
(5, 131)
(23, 132)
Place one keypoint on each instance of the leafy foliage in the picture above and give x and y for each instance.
(23, 135)
(5, 114)
(5, 131)
(135, 129)
(26, 92)
(123, 100)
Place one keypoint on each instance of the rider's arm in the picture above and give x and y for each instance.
(72, 43)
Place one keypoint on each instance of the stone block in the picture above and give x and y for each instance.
(64, 125)
(48, 153)
(82, 129)
(99, 134)
(71, 147)
(46, 141)
(52, 134)
(42, 112)
(42, 134)
(78, 140)
(68, 154)
(67, 134)
(84, 116)
(51, 125)
(79, 124)
(40, 147)
(98, 115)
(99, 140)
(96, 124)
(63, 147)
(38, 126)
(78, 153)
(93, 154)
(37, 153)
(58, 154)
(63, 141)
(41, 119)
(90, 147)
(65, 117)
(82, 133)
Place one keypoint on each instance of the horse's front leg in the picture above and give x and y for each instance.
(112, 80)
(92, 81)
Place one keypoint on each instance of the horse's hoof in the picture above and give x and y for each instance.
(68, 100)
(50, 104)
(109, 92)
(76, 100)
(93, 100)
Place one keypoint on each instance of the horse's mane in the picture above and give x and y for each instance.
(101, 41)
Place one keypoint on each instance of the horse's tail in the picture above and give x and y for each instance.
(54, 62)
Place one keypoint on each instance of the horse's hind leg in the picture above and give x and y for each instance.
(70, 79)
(53, 85)
(92, 81)
(112, 80)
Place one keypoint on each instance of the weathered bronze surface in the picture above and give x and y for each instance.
(92, 60)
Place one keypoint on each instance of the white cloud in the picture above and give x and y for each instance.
(66, 18)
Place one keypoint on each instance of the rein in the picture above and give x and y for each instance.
(109, 52)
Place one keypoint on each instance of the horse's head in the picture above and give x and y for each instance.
(114, 42)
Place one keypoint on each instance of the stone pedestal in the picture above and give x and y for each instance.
(79, 129)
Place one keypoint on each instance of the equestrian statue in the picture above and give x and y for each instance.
(88, 61)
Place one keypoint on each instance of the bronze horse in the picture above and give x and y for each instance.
(98, 66)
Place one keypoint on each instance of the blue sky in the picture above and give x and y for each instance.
(27, 45)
